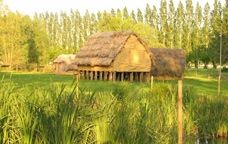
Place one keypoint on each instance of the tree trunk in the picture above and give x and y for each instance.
(214, 64)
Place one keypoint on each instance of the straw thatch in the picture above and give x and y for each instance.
(64, 62)
(102, 48)
(167, 63)
(65, 58)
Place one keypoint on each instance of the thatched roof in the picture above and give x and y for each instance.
(65, 58)
(102, 48)
(167, 63)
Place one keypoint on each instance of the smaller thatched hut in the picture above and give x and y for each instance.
(167, 63)
(63, 63)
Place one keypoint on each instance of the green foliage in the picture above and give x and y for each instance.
(126, 113)
(146, 32)
(194, 28)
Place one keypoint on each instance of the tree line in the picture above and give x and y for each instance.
(39, 39)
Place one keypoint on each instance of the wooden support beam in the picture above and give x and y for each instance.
(136, 76)
(95, 75)
(114, 76)
(151, 82)
(105, 75)
(81, 74)
(180, 113)
(84, 74)
(91, 75)
(101, 75)
(122, 76)
(141, 76)
(110, 76)
(147, 74)
(131, 76)
(87, 75)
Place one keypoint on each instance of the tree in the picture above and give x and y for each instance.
(148, 15)
(139, 16)
(171, 21)
(133, 16)
(163, 22)
(179, 20)
(143, 30)
(206, 53)
(11, 38)
(196, 34)
(188, 26)
(216, 28)
(125, 13)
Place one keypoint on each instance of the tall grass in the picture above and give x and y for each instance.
(57, 115)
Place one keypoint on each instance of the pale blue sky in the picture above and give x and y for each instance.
(32, 6)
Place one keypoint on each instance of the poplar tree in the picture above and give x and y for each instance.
(148, 15)
(139, 16)
(125, 13)
(205, 52)
(188, 26)
(163, 22)
(133, 16)
(171, 21)
(179, 22)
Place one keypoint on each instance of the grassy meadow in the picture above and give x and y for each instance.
(48, 108)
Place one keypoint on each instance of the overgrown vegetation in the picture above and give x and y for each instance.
(50, 112)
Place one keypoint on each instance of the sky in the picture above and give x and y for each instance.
(29, 7)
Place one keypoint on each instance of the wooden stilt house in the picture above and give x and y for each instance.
(120, 56)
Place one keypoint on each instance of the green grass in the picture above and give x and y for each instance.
(45, 108)
(205, 82)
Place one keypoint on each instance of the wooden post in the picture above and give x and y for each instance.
(136, 76)
(114, 76)
(77, 88)
(141, 76)
(122, 76)
(95, 75)
(91, 75)
(180, 120)
(87, 75)
(131, 77)
(151, 82)
(105, 75)
(101, 75)
(110, 76)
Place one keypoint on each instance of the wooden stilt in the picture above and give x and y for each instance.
(141, 76)
(136, 76)
(131, 76)
(105, 75)
(84, 74)
(122, 76)
(81, 75)
(151, 82)
(95, 75)
(91, 75)
(77, 83)
(110, 76)
(147, 77)
(101, 75)
(87, 75)
(114, 76)
(180, 120)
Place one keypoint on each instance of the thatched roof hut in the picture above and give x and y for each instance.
(63, 63)
(123, 55)
(120, 51)
(167, 63)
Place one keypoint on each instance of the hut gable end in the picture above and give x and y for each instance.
(133, 57)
